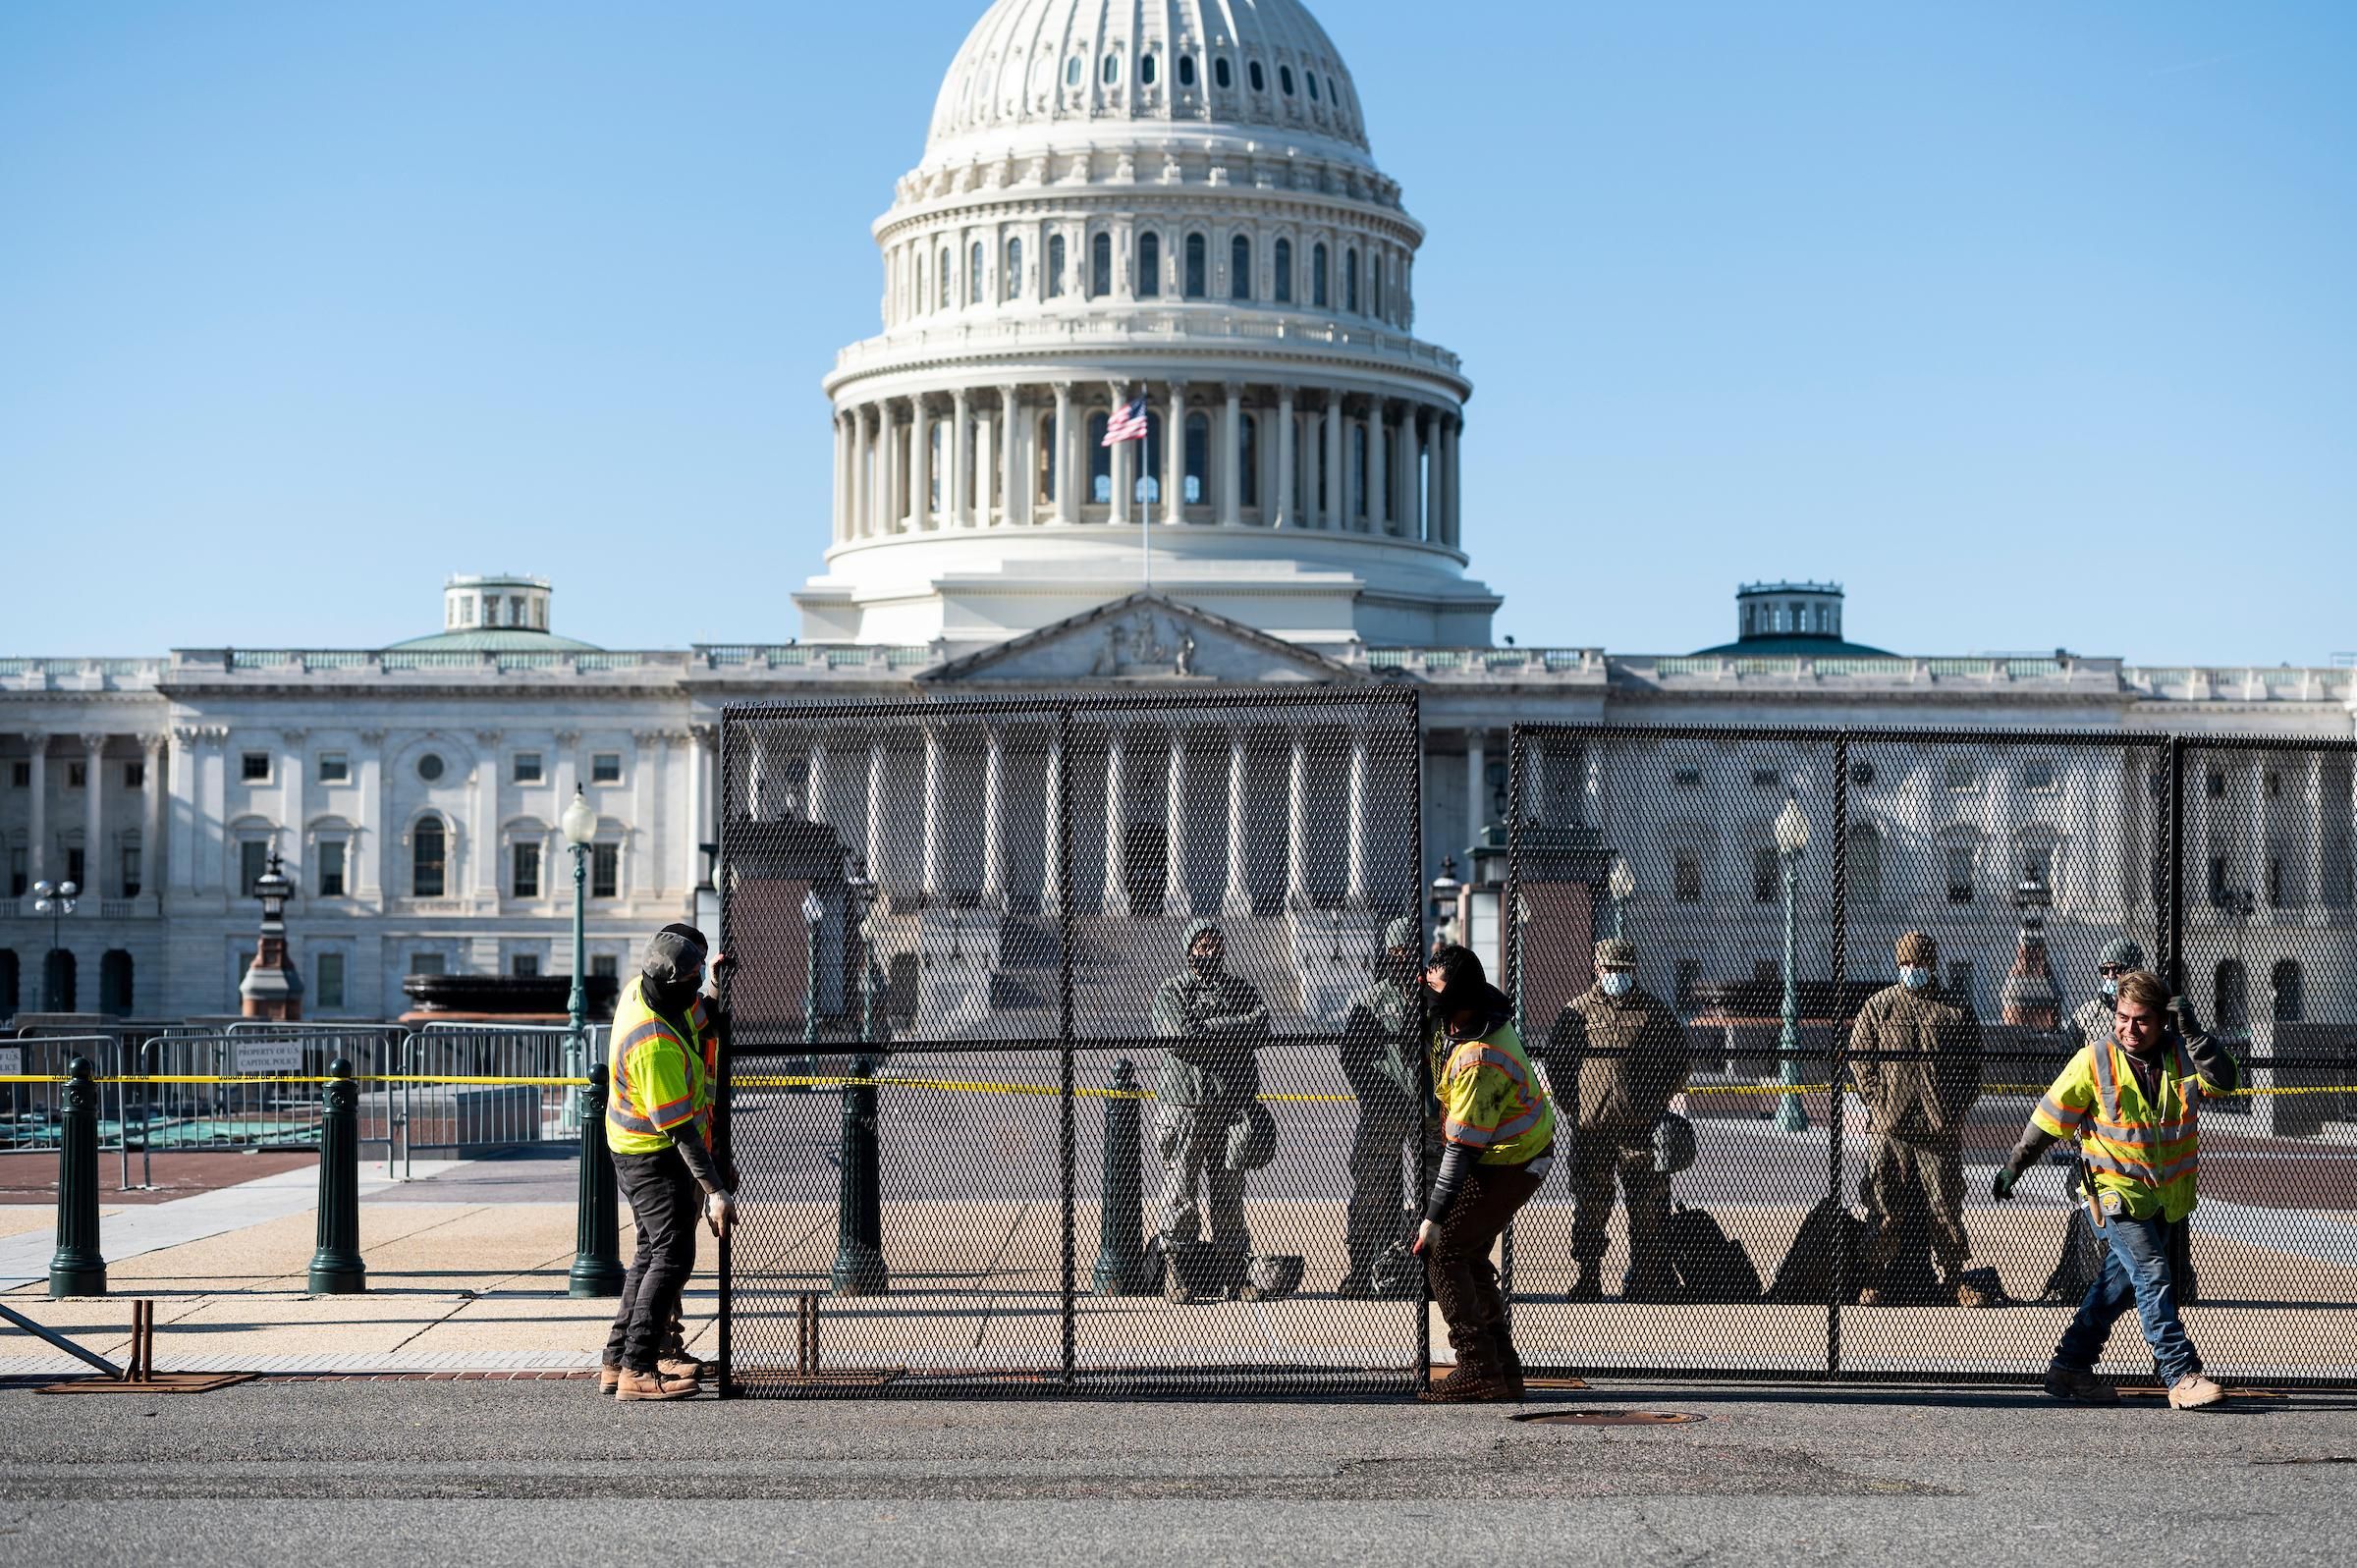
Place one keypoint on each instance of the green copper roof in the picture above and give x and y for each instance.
(1772, 647)
(497, 639)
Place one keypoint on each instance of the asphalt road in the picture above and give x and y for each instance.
(491, 1473)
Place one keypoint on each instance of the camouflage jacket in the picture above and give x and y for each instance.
(1630, 1054)
(1214, 1025)
(1932, 1080)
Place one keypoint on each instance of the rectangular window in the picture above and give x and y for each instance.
(525, 767)
(1685, 872)
(605, 871)
(1959, 874)
(427, 963)
(331, 868)
(605, 767)
(2218, 880)
(1689, 975)
(1960, 773)
(254, 858)
(524, 965)
(131, 870)
(254, 767)
(2217, 783)
(20, 774)
(527, 871)
(76, 775)
(1767, 876)
(2037, 776)
(135, 776)
(2274, 882)
(2274, 785)
(1688, 778)
(335, 767)
(327, 980)
(74, 868)
(1765, 777)
(17, 873)
(1959, 978)
(605, 966)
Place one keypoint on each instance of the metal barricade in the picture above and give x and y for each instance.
(458, 1114)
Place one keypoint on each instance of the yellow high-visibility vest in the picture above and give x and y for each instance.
(2147, 1151)
(658, 1083)
(1490, 1099)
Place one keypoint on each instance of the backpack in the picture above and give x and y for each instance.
(1805, 1278)
(1710, 1266)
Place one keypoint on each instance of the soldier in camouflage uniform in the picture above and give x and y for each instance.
(2091, 1025)
(1215, 1022)
(1381, 1038)
(1917, 1093)
(1633, 1058)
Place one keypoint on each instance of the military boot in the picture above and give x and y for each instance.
(1587, 1282)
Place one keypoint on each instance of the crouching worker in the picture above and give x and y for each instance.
(2133, 1095)
(1498, 1144)
(658, 1124)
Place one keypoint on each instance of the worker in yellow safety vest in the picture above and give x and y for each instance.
(2132, 1101)
(664, 1059)
(1497, 1146)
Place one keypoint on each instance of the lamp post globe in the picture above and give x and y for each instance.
(579, 825)
(56, 900)
(1791, 839)
(1620, 882)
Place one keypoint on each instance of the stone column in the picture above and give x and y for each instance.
(1050, 860)
(1117, 834)
(872, 844)
(843, 477)
(1010, 475)
(1231, 459)
(1413, 429)
(1379, 469)
(1174, 456)
(818, 794)
(1177, 893)
(920, 464)
(929, 882)
(37, 822)
(152, 836)
(1357, 890)
(1477, 767)
(1338, 489)
(960, 453)
(1238, 902)
(1450, 509)
(1067, 481)
(485, 828)
(863, 481)
(93, 822)
(1297, 823)
(375, 813)
(1281, 513)
(2313, 788)
(994, 841)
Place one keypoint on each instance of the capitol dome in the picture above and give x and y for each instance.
(1177, 201)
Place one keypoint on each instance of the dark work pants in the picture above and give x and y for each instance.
(1465, 1283)
(666, 1205)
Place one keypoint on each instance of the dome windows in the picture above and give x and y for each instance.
(1350, 281)
(1072, 72)
(1112, 69)
(1285, 79)
(1259, 78)
(1148, 68)
(1310, 78)
(1015, 269)
(973, 274)
(1100, 266)
(1054, 278)
(1222, 74)
(943, 277)
(1198, 267)
(1186, 70)
(1284, 279)
(1149, 265)
(1317, 276)
(1239, 268)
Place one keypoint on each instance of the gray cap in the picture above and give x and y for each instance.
(1403, 932)
(2120, 951)
(1618, 950)
(672, 957)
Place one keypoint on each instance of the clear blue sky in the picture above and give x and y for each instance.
(2035, 322)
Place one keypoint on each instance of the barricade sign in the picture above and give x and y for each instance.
(12, 1060)
(266, 1055)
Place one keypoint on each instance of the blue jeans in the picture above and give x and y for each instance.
(2135, 1274)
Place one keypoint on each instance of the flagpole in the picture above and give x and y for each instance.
(1145, 526)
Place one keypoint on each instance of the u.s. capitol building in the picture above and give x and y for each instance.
(1179, 202)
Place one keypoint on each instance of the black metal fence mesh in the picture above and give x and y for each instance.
(1005, 1122)
(1837, 1217)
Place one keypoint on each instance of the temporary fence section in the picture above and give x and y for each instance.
(1837, 1217)
(1040, 1015)
(521, 1091)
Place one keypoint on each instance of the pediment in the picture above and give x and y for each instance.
(1144, 638)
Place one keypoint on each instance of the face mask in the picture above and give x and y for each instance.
(2111, 988)
(1616, 981)
(1914, 976)
(1204, 964)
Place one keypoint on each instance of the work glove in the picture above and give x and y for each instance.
(2002, 1187)
(2181, 1014)
(1428, 1236)
(720, 1212)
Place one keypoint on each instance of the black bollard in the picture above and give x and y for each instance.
(859, 1207)
(596, 1225)
(1120, 1219)
(77, 1268)
(335, 1267)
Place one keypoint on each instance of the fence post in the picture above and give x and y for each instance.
(336, 1267)
(858, 1203)
(1120, 1244)
(596, 1225)
(77, 1268)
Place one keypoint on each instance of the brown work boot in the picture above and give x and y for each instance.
(1870, 1297)
(607, 1377)
(1471, 1384)
(652, 1385)
(676, 1364)
(2080, 1387)
(2193, 1392)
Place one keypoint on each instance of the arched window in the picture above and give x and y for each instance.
(2292, 992)
(1199, 458)
(1100, 462)
(973, 274)
(1146, 68)
(12, 984)
(1186, 70)
(1048, 455)
(1198, 267)
(1247, 446)
(2231, 1000)
(114, 983)
(1239, 268)
(1865, 864)
(944, 276)
(920, 280)
(1317, 275)
(1072, 72)
(1375, 276)
(1350, 280)
(429, 851)
(1015, 269)
(1285, 79)
(1311, 77)
(1222, 73)
(1054, 267)
(1284, 281)
(1112, 69)
(1260, 81)
(1100, 266)
(58, 974)
(1149, 265)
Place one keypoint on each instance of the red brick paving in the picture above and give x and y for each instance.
(31, 1178)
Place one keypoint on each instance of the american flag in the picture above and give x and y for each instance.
(1128, 423)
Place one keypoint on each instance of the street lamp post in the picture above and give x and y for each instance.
(56, 900)
(1445, 890)
(1792, 838)
(579, 825)
(1620, 882)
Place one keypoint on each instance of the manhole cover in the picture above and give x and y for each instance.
(1608, 1418)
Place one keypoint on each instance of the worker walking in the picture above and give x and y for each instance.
(658, 1125)
(1917, 1055)
(2132, 1099)
(1632, 1057)
(1498, 1144)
